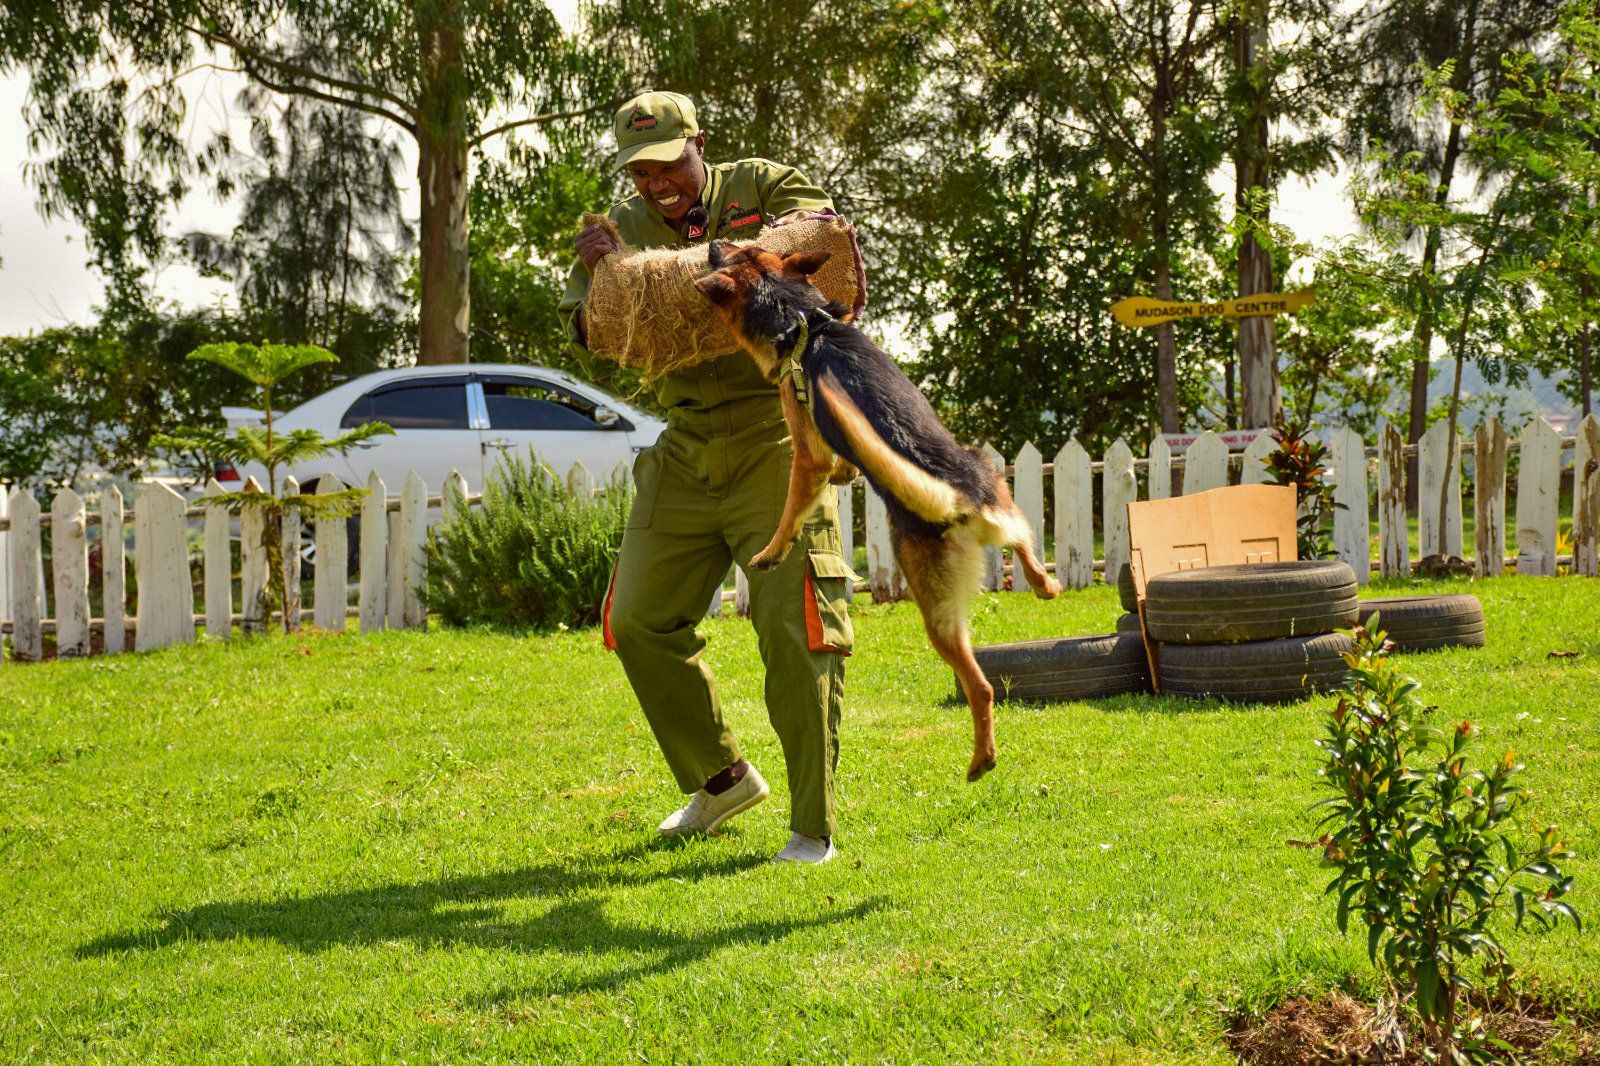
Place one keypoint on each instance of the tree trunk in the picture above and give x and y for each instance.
(1585, 359)
(443, 178)
(1257, 337)
(1161, 234)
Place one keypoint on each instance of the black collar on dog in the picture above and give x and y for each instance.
(793, 363)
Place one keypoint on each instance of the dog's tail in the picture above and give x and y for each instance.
(930, 497)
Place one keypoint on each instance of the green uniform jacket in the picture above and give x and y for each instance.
(739, 198)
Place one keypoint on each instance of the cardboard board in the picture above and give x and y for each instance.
(1222, 527)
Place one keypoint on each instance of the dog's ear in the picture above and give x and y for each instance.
(718, 288)
(804, 264)
(717, 252)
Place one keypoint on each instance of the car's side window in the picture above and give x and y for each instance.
(413, 405)
(528, 403)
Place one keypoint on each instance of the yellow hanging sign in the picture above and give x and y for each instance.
(1137, 311)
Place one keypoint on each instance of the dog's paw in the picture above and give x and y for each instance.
(981, 764)
(1049, 590)
(768, 560)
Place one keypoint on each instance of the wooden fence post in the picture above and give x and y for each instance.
(394, 571)
(69, 570)
(290, 537)
(1586, 499)
(5, 564)
(994, 564)
(882, 574)
(113, 570)
(1075, 515)
(1253, 468)
(1205, 465)
(332, 538)
(253, 566)
(1394, 543)
(1538, 499)
(374, 555)
(1159, 476)
(1028, 491)
(847, 525)
(1438, 476)
(579, 481)
(218, 568)
(741, 592)
(1118, 488)
(27, 594)
(414, 539)
(1352, 530)
(1489, 498)
(165, 613)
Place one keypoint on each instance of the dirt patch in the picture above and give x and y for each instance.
(1336, 1029)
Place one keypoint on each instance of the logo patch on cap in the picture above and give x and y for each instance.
(641, 119)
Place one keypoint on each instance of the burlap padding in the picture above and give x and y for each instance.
(643, 310)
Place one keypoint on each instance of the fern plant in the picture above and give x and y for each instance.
(265, 366)
(534, 554)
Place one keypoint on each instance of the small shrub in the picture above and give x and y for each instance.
(1421, 858)
(533, 554)
(1299, 461)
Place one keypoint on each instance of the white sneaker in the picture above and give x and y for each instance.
(813, 851)
(706, 812)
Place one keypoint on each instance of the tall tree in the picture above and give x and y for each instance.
(450, 74)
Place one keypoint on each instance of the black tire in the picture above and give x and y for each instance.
(1422, 623)
(1263, 671)
(1066, 668)
(1125, 589)
(1129, 623)
(1256, 601)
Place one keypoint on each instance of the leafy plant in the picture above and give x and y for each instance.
(534, 554)
(265, 366)
(1416, 839)
(1298, 461)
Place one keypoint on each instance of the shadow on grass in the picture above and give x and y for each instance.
(466, 911)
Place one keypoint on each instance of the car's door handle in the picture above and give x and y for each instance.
(499, 442)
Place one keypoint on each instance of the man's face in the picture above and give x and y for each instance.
(672, 188)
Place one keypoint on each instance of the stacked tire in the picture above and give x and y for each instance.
(1262, 632)
(1066, 668)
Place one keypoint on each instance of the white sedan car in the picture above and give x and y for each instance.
(464, 417)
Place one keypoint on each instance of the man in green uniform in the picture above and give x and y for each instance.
(710, 492)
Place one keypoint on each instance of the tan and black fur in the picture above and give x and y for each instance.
(945, 502)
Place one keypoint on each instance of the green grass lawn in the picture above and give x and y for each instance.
(442, 846)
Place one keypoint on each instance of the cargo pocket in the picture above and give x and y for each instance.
(646, 482)
(827, 594)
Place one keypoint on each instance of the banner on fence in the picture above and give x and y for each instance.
(1138, 311)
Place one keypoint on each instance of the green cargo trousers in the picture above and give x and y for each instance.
(710, 493)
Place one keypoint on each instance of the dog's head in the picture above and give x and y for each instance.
(760, 295)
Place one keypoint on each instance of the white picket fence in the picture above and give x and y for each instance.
(393, 532)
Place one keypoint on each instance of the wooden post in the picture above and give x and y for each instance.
(1394, 544)
(218, 568)
(1435, 476)
(455, 490)
(1352, 532)
(847, 525)
(1028, 491)
(394, 571)
(1075, 516)
(741, 592)
(374, 555)
(1118, 488)
(113, 570)
(579, 481)
(290, 539)
(882, 574)
(1254, 469)
(165, 613)
(1489, 498)
(69, 570)
(1160, 477)
(253, 566)
(27, 592)
(994, 564)
(1538, 499)
(1586, 499)
(329, 590)
(414, 548)
(1205, 464)
(5, 564)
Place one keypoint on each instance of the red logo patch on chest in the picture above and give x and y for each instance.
(753, 218)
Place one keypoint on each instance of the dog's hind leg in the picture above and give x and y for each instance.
(1003, 524)
(942, 575)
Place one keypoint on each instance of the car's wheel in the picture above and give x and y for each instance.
(1421, 623)
(1066, 668)
(308, 543)
(1255, 601)
(1263, 671)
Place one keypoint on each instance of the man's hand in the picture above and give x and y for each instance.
(594, 243)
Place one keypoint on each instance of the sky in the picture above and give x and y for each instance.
(44, 281)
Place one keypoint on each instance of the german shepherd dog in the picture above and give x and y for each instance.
(945, 502)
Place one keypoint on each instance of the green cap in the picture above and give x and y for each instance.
(653, 127)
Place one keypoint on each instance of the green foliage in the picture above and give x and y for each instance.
(1421, 853)
(1299, 461)
(534, 554)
